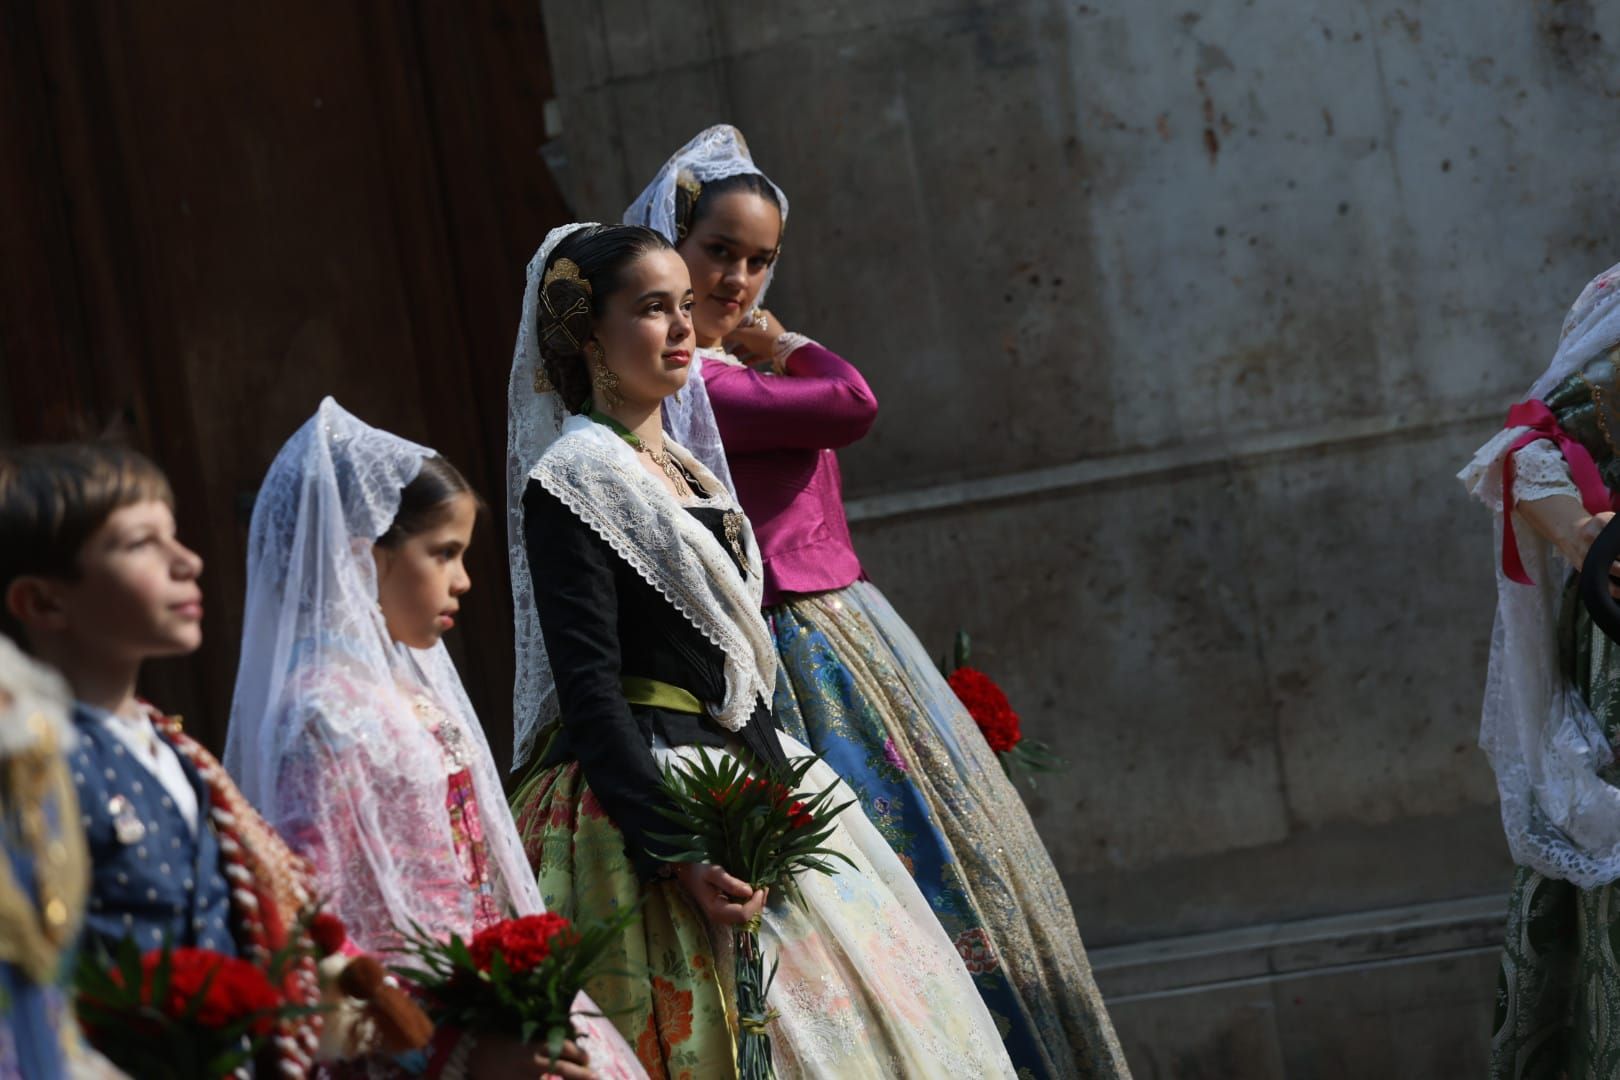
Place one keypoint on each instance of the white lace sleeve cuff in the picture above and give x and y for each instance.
(785, 344)
(1540, 471)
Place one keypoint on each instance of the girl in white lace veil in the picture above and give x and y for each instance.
(665, 206)
(320, 673)
(1560, 816)
(360, 748)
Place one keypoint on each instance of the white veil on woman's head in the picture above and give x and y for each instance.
(1591, 328)
(329, 733)
(713, 154)
(1561, 818)
(534, 418)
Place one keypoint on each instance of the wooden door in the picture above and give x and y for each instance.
(218, 214)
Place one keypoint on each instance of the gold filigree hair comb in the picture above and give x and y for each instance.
(565, 270)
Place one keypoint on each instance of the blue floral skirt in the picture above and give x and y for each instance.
(857, 687)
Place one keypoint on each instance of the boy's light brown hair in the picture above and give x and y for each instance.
(53, 498)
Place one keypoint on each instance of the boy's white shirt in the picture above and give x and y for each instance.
(139, 736)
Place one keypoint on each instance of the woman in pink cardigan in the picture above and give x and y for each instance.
(855, 684)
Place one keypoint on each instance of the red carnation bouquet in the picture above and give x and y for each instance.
(182, 1014)
(1002, 729)
(517, 978)
(765, 833)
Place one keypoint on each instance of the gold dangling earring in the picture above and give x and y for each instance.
(604, 381)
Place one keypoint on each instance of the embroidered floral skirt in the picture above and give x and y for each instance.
(867, 985)
(675, 1018)
(1558, 988)
(857, 687)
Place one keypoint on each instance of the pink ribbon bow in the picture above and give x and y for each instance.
(1583, 470)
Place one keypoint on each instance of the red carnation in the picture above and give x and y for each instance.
(778, 793)
(328, 933)
(989, 707)
(236, 989)
(523, 943)
(799, 817)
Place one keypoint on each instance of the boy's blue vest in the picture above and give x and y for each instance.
(151, 877)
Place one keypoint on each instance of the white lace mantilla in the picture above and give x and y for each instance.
(714, 153)
(594, 473)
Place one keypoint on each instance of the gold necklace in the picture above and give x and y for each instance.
(733, 522)
(732, 519)
(666, 461)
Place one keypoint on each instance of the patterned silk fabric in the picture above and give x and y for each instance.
(675, 1018)
(858, 688)
(866, 986)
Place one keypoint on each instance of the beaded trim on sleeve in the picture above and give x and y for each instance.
(257, 868)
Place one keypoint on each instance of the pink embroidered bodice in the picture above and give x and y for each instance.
(461, 804)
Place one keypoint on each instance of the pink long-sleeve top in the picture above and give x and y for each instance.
(781, 433)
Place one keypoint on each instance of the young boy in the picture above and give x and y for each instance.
(94, 582)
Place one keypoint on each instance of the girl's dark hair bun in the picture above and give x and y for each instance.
(565, 309)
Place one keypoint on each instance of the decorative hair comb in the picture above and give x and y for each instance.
(687, 184)
(566, 270)
(561, 270)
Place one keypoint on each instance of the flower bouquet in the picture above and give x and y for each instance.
(764, 833)
(998, 723)
(182, 1014)
(517, 978)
